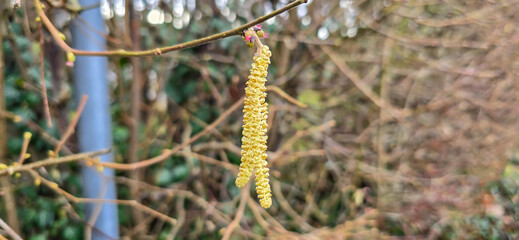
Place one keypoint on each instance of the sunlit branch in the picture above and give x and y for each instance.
(52, 161)
(158, 51)
(70, 129)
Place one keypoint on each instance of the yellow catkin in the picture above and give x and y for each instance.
(254, 141)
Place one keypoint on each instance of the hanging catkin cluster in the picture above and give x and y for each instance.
(254, 141)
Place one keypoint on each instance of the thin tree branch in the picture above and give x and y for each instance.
(26, 139)
(361, 85)
(42, 80)
(287, 97)
(9, 230)
(52, 161)
(70, 128)
(35, 128)
(158, 51)
(241, 208)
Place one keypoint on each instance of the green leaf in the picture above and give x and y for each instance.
(180, 172)
(45, 218)
(11, 94)
(164, 177)
(71, 233)
(14, 144)
(28, 214)
(33, 99)
(121, 134)
(39, 237)
(233, 158)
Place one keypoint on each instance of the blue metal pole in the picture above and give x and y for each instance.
(94, 127)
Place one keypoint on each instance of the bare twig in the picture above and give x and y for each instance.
(52, 161)
(180, 219)
(226, 165)
(159, 51)
(287, 97)
(70, 129)
(362, 86)
(9, 230)
(285, 205)
(35, 128)
(135, 104)
(433, 42)
(217, 215)
(26, 140)
(42, 79)
(239, 214)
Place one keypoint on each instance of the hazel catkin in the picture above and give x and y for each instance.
(254, 140)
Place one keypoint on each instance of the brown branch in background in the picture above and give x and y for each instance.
(214, 145)
(361, 85)
(213, 161)
(10, 116)
(180, 219)
(217, 215)
(300, 134)
(269, 223)
(424, 41)
(42, 79)
(285, 205)
(21, 65)
(291, 157)
(466, 18)
(204, 72)
(135, 105)
(287, 97)
(383, 129)
(158, 51)
(255, 212)
(169, 153)
(52, 161)
(70, 129)
(239, 214)
(35, 128)
(54, 186)
(26, 25)
(202, 123)
(9, 230)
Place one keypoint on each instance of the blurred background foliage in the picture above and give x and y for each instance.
(410, 130)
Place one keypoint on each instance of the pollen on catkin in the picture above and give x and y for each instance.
(254, 140)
